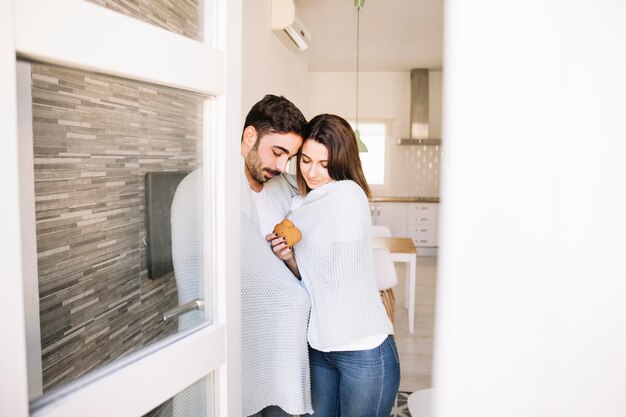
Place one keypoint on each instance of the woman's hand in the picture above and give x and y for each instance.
(283, 252)
(279, 246)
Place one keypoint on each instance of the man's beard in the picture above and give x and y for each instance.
(255, 166)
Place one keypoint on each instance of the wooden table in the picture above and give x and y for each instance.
(402, 249)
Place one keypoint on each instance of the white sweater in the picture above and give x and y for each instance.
(274, 314)
(336, 264)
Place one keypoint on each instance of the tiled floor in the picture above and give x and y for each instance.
(416, 350)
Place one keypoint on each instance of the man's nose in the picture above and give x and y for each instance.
(281, 164)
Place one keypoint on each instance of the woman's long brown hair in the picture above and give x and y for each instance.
(344, 162)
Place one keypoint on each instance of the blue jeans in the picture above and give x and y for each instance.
(359, 383)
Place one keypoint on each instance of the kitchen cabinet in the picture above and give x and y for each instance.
(410, 219)
(422, 224)
(392, 215)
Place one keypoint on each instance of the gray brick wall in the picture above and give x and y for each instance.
(94, 138)
(179, 16)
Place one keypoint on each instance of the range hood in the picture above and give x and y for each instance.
(419, 111)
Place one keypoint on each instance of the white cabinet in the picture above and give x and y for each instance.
(415, 220)
(422, 224)
(392, 215)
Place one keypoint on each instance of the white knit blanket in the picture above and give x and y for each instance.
(336, 263)
(274, 314)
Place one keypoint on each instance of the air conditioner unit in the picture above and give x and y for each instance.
(289, 28)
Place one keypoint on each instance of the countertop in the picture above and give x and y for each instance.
(404, 200)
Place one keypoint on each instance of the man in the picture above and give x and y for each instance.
(274, 306)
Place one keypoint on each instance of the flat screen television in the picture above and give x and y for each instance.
(159, 193)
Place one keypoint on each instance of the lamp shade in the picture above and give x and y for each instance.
(359, 142)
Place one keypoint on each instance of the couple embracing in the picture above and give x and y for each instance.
(315, 335)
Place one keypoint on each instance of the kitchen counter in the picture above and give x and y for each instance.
(404, 200)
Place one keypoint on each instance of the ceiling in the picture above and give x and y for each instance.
(395, 35)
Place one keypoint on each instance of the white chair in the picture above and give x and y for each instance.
(389, 297)
(386, 278)
(420, 403)
(380, 231)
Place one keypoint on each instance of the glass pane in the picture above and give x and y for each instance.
(190, 402)
(184, 17)
(109, 154)
(373, 161)
(373, 135)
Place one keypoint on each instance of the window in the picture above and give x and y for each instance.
(373, 135)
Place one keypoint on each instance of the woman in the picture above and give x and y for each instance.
(355, 370)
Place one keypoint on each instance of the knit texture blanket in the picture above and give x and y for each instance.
(274, 314)
(335, 260)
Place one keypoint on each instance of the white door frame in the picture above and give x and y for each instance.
(85, 36)
(13, 378)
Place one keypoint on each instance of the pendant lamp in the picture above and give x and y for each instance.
(362, 148)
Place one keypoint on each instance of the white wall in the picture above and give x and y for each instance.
(268, 66)
(409, 170)
(531, 317)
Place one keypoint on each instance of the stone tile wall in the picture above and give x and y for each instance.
(184, 17)
(94, 139)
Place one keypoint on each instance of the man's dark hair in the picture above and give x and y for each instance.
(274, 114)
